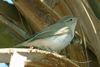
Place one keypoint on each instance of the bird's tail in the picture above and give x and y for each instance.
(23, 44)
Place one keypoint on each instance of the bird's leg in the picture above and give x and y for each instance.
(30, 48)
(64, 51)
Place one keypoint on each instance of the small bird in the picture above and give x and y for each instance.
(55, 37)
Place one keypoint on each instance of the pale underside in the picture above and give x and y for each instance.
(55, 43)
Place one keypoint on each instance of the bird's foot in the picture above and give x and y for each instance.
(30, 49)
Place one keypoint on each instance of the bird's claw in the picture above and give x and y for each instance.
(30, 49)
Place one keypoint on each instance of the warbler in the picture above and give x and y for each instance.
(54, 37)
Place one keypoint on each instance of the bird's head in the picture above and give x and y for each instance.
(70, 22)
(66, 24)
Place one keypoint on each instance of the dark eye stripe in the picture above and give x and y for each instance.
(69, 20)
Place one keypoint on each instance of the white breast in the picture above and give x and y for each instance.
(59, 42)
(55, 43)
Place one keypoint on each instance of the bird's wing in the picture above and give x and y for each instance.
(48, 31)
(40, 35)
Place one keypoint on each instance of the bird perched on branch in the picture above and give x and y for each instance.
(55, 37)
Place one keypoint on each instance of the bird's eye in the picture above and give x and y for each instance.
(70, 19)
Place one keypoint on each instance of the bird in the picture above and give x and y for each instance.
(54, 37)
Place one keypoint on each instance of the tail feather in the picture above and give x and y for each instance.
(23, 44)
